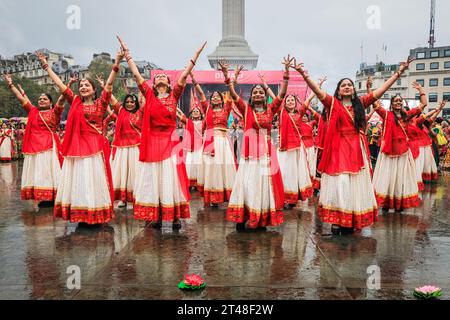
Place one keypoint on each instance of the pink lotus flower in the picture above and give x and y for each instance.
(428, 289)
(193, 280)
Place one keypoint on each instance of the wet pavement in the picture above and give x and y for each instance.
(299, 260)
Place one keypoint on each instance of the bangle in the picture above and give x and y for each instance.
(129, 58)
(422, 94)
(192, 61)
(45, 66)
(286, 78)
(116, 69)
(227, 81)
(195, 83)
(11, 85)
(398, 74)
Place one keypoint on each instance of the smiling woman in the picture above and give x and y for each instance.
(85, 193)
(347, 199)
(41, 146)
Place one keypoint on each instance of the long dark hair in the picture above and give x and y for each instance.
(358, 108)
(210, 99)
(250, 101)
(403, 114)
(135, 100)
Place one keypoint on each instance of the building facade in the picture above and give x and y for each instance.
(431, 69)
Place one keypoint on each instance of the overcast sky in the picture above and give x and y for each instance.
(326, 35)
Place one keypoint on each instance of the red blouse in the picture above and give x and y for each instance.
(128, 127)
(289, 132)
(258, 127)
(219, 117)
(307, 132)
(395, 140)
(84, 129)
(159, 135)
(41, 128)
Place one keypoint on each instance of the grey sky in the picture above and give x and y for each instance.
(326, 35)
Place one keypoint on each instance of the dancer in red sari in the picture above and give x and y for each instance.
(395, 180)
(347, 199)
(41, 146)
(219, 163)
(257, 198)
(162, 188)
(292, 154)
(127, 139)
(85, 193)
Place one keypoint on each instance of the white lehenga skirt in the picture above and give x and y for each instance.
(395, 182)
(430, 170)
(124, 172)
(6, 150)
(219, 172)
(41, 175)
(194, 166)
(348, 200)
(83, 194)
(252, 198)
(296, 175)
(311, 155)
(419, 164)
(159, 191)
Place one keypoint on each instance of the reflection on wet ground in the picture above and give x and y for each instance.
(126, 260)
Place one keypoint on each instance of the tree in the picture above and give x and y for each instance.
(103, 68)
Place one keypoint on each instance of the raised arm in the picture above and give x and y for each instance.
(224, 68)
(191, 64)
(423, 96)
(198, 88)
(114, 102)
(378, 93)
(284, 85)
(133, 68)
(22, 98)
(438, 111)
(266, 86)
(58, 82)
(321, 94)
(369, 85)
(115, 70)
(369, 116)
(312, 95)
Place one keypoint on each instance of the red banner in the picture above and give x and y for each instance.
(297, 84)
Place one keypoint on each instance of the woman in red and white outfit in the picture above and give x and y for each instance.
(347, 199)
(219, 162)
(395, 179)
(162, 187)
(6, 143)
(125, 146)
(257, 198)
(85, 193)
(127, 139)
(426, 166)
(292, 154)
(193, 140)
(306, 128)
(41, 146)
